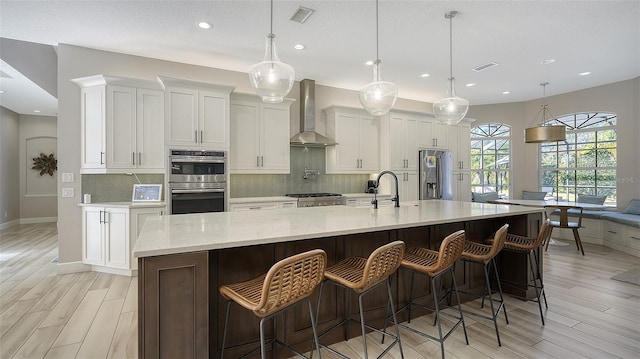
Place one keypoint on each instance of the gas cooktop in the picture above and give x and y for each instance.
(313, 195)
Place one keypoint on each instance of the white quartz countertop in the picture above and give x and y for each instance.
(124, 204)
(364, 195)
(206, 231)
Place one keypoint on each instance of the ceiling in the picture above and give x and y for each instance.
(601, 37)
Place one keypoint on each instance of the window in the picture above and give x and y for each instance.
(490, 158)
(585, 163)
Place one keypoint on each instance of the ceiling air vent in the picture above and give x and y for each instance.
(302, 14)
(485, 66)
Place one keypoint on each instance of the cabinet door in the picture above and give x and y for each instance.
(245, 137)
(408, 186)
(213, 123)
(462, 186)
(425, 133)
(411, 143)
(274, 139)
(138, 217)
(182, 117)
(150, 129)
(117, 247)
(92, 235)
(441, 135)
(121, 127)
(93, 125)
(347, 134)
(396, 146)
(369, 135)
(462, 152)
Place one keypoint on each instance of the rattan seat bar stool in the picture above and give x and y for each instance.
(287, 282)
(361, 276)
(485, 255)
(435, 264)
(530, 246)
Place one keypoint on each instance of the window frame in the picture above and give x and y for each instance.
(577, 124)
(489, 135)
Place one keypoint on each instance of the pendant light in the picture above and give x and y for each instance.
(271, 78)
(378, 96)
(541, 134)
(451, 109)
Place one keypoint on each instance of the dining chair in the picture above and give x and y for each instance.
(564, 222)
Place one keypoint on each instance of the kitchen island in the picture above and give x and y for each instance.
(183, 259)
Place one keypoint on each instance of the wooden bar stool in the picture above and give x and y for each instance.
(485, 254)
(361, 275)
(530, 246)
(435, 265)
(289, 281)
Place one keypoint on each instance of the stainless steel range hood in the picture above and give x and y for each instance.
(308, 136)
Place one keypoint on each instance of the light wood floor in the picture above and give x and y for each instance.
(94, 315)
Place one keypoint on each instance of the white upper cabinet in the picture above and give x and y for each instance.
(259, 135)
(122, 125)
(358, 140)
(460, 145)
(197, 114)
(402, 135)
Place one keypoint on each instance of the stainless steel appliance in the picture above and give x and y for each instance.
(318, 199)
(435, 174)
(197, 181)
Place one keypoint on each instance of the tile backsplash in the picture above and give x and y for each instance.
(245, 185)
(119, 187)
(116, 187)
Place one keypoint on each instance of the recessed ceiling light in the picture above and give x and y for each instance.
(425, 75)
(506, 92)
(1, 91)
(369, 63)
(547, 61)
(469, 85)
(204, 25)
(585, 73)
(36, 111)
(299, 46)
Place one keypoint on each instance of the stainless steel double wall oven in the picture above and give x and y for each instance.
(197, 181)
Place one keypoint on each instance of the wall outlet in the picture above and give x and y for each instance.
(67, 177)
(67, 192)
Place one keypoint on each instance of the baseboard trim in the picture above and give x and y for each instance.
(72, 267)
(38, 220)
(9, 224)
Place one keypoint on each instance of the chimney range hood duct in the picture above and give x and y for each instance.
(308, 136)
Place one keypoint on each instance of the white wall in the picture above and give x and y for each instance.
(38, 194)
(76, 62)
(621, 98)
(9, 167)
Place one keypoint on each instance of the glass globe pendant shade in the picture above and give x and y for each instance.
(378, 97)
(451, 109)
(271, 78)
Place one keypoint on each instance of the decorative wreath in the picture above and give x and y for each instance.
(45, 164)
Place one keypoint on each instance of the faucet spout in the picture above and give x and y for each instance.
(396, 198)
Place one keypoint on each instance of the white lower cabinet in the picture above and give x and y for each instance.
(407, 185)
(109, 234)
(383, 201)
(462, 186)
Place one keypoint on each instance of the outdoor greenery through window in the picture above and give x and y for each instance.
(490, 158)
(585, 163)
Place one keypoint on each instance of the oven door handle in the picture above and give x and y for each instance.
(200, 190)
(197, 160)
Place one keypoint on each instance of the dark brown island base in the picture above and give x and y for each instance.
(184, 259)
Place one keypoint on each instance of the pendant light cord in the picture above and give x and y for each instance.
(271, 29)
(271, 35)
(377, 63)
(451, 15)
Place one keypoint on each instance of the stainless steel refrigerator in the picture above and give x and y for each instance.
(435, 174)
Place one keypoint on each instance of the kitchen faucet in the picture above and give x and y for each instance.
(394, 199)
(308, 172)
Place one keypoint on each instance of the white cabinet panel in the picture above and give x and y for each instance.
(358, 139)
(118, 250)
(197, 114)
(462, 186)
(259, 135)
(92, 233)
(122, 125)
